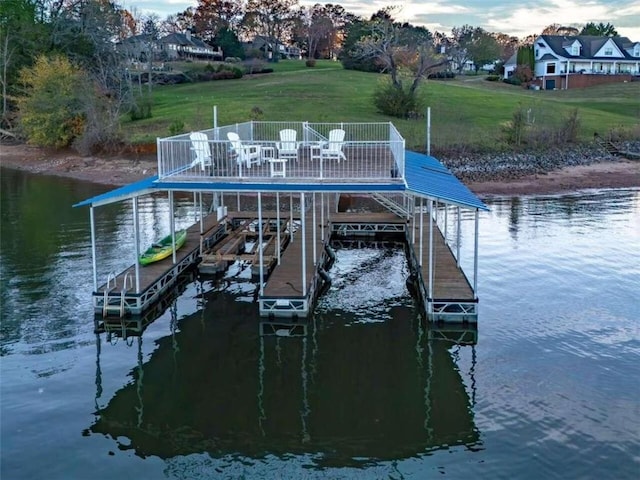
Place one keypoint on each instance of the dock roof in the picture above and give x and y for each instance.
(424, 175)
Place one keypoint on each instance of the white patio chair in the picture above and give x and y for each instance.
(288, 146)
(201, 150)
(333, 148)
(247, 154)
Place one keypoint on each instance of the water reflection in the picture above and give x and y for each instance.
(236, 385)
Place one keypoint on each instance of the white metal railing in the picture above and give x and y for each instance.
(372, 152)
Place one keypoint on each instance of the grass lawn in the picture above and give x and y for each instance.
(465, 111)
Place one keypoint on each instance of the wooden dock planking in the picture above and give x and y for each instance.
(149, 274)
(286, 279)
(450, 283)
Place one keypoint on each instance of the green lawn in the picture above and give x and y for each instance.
(464, 112)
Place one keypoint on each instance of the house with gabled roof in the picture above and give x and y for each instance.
(563, 62)
(182, 46)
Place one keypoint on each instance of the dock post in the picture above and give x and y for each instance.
(430, 253)
(421, 230)
(304, 246)
(136, 241)
(458, 234)
(278, 226)
(93, 249)
(313, 230)
(475, 255)
(172, 224)
(260, 245)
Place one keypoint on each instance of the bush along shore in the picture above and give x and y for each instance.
(482, 167)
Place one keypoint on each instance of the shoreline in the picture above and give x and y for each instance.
(120, 170)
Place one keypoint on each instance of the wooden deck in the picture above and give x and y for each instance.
(449, 282)
(286, 280)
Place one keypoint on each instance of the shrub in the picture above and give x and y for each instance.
(141, 109)
(493, 78)
(394, 101)
(51, 112)
(512, 81)
(310, 62)
(176, 127)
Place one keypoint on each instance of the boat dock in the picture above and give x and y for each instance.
(135, 289)
(288, 248)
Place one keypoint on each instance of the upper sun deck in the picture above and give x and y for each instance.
(294, 152)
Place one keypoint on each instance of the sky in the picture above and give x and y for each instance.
(514, 18)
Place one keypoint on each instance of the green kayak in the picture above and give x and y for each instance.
(163, 248)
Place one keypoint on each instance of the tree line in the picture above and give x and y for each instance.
(64, 81)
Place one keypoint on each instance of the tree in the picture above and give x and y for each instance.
(51, 111)
(21, 41)
(211, 16)
(406, 53)
(461, 38)
(269, 18)
(599, 30)
(228, 41)
(557, 29)
(315, 26)
(483, 49)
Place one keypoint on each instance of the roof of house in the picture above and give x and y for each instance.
(184, 40)
(512, 60)
(590, 45)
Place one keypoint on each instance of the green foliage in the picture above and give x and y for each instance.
(176, 127)
(228, 41)
(396, 101)
(51, 107)
(141, 109)
(599, 30)
(493, 78)
(351, 55)
(526, 57)
(514, 130)
(310, 62)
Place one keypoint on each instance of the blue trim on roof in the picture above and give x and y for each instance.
(126, 190)
(424, 175)
(427, 176)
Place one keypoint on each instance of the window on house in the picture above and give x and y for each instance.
(575, 50)
(608, 52)
(636, 52)
(551, 68)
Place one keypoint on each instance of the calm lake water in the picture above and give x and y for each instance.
(363, 389)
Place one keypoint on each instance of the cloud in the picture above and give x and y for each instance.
(492, 15)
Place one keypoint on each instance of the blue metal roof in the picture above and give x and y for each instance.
(424, 175)
(428, 177)
(131, 190)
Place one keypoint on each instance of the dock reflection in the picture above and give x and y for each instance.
(232, 384)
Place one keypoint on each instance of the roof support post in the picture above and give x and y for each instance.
(430, 252)
(260, 244)
(136, 242)
(278, 226)
(458, 235)
(93, 249)
(172, 223)
(313, 216)
(304, 246)
(421, 228)
(475, 254)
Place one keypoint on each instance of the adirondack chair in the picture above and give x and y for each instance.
(333, 148)
(247, 154)
(288, 146)
(201, 150)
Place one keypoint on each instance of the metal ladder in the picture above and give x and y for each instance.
(108, 289)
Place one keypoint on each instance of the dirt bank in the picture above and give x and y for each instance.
(120, 170)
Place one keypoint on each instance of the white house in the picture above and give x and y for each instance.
(565, 61)
(181, 46)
